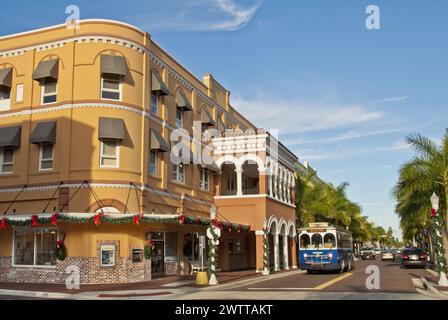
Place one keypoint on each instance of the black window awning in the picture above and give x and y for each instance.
(115, 65)
(44, 132)
(6, 77)
(158, 86)
(111, 128)
(10, 137)
(47, 70)
(157, 142)
(212, 167)
(206, 118)
(182, 102)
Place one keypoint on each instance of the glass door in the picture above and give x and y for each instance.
(158, 258)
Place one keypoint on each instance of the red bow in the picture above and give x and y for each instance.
(97, 219)
(433, 212)
(137, 220)
(215, 223)
(4, 224)
(181, 219)
(54, 218)
(34, 221)
(59, 244)
(198, 221)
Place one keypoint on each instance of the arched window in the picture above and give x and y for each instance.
(108, 210)
(304, 241)
(316, 240)
(329, 241)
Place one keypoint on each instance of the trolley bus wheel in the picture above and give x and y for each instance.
(342, 269)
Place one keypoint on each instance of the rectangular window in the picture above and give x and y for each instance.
(178, 173)
(5, 98)
(6, 160)
(153, 163)
(230, 249)
(179, 119)
(238, 245)
(111, 88)
(46, 156)
(34, 247)
(231, 182)
(171, 246)
(49, 92)
(109, 154)
(204, 181)
(154, 104)
(19, 93)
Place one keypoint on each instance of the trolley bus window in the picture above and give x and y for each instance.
(316, 240)
(329, 241)
(304, 241)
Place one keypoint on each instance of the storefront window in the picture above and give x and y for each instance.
(171, 246)
(191, 247)
(34, 247)
(230, 246)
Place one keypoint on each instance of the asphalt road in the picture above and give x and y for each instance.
(392, 279)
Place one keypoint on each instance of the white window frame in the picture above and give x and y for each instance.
(19, 92)
(5, 104)
(157, 103)
(119, 91)
(34, 265)
(108, 247)
(41, 151)
(43, 94)
(156, 158)
(103, 156)
(178, 166)
(204, 185)
(181, 119)
(2, 163)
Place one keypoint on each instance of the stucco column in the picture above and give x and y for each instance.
(293, 253)
(274, 176)
(276, 253)
(262, 183)
(239, 182)
(270, 184)
(259, 250)
(285, 253)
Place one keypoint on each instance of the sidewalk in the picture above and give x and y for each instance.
(429, 285)
(158, 287)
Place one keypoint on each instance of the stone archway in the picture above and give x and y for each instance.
(273, 228)
(284, 244)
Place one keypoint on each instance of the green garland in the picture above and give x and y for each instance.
(265, 249)
(213, 253)
(108, 219)
(441, 265)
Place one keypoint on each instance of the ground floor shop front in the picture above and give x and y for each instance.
(115, 253)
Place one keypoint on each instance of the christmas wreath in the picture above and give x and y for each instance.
(61, 250)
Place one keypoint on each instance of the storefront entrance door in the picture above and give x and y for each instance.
(158, 259)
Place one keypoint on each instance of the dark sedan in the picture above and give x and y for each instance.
(414, 257)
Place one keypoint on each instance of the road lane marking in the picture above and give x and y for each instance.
(282, 289)
(333, 281)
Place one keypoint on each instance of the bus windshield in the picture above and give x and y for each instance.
(316, 240)
(304, 241)
(329, 241)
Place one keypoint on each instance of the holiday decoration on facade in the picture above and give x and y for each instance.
(125, 218)
(181, 219)
(54, 218)
(4, 224)
(34, 221)
(441, 263)
(137, 220)
(213, 234)
(266, 270)
(61, 250)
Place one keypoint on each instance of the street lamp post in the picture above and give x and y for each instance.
(440, 252)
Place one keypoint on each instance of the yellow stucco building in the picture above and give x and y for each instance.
(86, 121)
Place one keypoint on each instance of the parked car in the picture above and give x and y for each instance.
(368, 254)
(377, 251)
(413, 257)
(388, 255)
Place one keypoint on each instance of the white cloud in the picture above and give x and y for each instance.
(200, 15)
(392, 99)
(296, 117)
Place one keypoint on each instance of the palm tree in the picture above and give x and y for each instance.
(419, 178)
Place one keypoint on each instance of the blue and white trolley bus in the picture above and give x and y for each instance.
(325, 247)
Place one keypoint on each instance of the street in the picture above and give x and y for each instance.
(395, 282)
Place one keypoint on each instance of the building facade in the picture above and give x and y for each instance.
(87, 117)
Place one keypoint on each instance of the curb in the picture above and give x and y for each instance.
(430, 287)
(36, 294)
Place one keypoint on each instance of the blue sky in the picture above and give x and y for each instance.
(343, 97)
